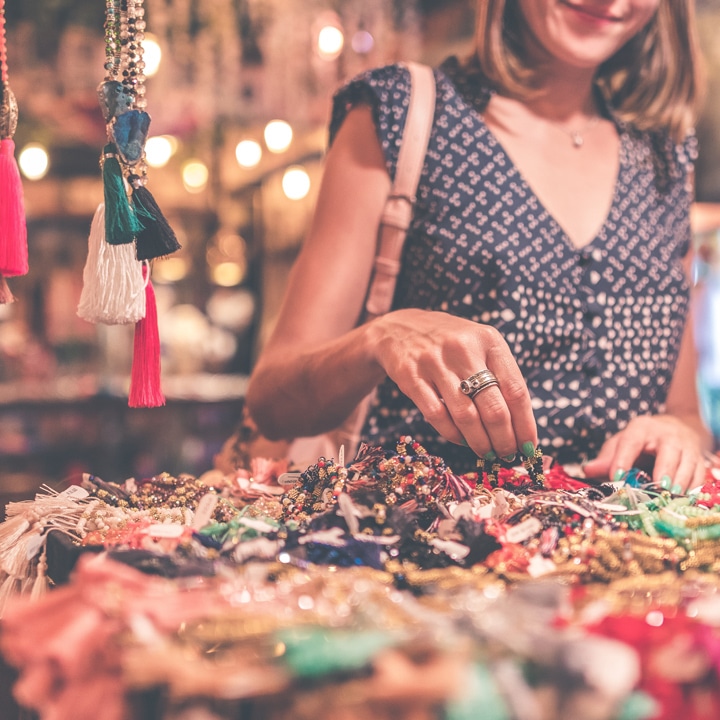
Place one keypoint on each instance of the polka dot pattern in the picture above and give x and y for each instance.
(596, 331)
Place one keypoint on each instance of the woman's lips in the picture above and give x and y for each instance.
(590, 13)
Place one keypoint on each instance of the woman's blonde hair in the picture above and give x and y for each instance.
(654, 81)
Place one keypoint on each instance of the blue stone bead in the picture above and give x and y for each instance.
(130, 131)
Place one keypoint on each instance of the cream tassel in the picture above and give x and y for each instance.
(41, 585)
(113, 285)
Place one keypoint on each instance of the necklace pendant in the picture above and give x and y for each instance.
(577, 139)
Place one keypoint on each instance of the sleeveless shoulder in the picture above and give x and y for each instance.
(387, 91)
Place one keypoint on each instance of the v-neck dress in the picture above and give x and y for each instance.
(596, 331)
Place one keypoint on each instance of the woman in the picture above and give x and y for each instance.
(549, 245)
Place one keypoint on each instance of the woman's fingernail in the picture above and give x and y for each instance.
(528, 449)
(677, 489)
(619, 475)
(464, 442)
(490, 455)
(665, 482)
(509, 458)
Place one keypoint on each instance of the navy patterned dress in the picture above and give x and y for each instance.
(596, 331)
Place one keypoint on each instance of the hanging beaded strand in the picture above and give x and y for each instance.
(133, 71)
(157, 239)
(112, 40)
(134, 66)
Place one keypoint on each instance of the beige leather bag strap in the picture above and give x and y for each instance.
(399, 206)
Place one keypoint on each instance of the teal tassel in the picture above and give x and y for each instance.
(121, 221)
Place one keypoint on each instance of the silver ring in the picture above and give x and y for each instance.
(477, 382)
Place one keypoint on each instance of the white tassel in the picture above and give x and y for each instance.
(12, 530)
(8, 588)
(15, 559)
(113, 285)
(41, 585)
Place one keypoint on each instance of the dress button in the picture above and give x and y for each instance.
(584, 259)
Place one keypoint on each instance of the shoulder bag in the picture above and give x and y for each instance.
(392, 231)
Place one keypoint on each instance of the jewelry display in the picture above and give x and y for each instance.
(129, 229)
(392, 555)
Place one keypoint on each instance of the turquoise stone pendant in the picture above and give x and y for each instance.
(129, 132)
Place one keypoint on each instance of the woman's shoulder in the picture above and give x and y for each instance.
(383, 81)
(386, 89)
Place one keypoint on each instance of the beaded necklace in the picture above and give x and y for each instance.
(129, 229)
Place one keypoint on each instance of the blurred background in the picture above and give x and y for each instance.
(239, 94)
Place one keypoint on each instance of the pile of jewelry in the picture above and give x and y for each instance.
(276, 575)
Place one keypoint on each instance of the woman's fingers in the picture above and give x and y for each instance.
(679, 464)
(430, 354)
(667, 464)
(434, 410)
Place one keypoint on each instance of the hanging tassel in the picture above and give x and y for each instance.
(121, 222)
(11, 531)
(113, 287)
(13, 229)
(9, 587)
(145, 390)
(157, 239)
(41, 585)
(6, 296)
(15, 561)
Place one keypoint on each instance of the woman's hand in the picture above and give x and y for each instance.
(676, 446)
(428, 354)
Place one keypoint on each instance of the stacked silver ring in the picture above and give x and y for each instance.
(477, 382)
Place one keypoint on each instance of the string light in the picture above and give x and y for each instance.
(34, 161)
(159, 150)
(195, 176)
(330, 42)
(248, 153)
(296, 183)
(152, 54)
(278, 135)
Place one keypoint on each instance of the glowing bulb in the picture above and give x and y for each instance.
(34, 161)
(278, 136)
(159, 149)
(330, 42)
(296, 183)
(228, 274)
(195, 176)
(362, 42)
(248, 153)
(170, 269)
(152, 54)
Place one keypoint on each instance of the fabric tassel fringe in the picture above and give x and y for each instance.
(13, 228)
(121, 222)
(40, 585)
(157, 238)
(113, 287)
(145, 388)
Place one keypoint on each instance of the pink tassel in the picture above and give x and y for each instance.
(13, 229)
(6, 296)
(145, 390)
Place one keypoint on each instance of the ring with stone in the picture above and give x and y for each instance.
(477, 382)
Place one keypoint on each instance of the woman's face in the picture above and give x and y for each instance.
(585, 33)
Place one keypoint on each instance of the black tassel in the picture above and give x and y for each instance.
(157, 238)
